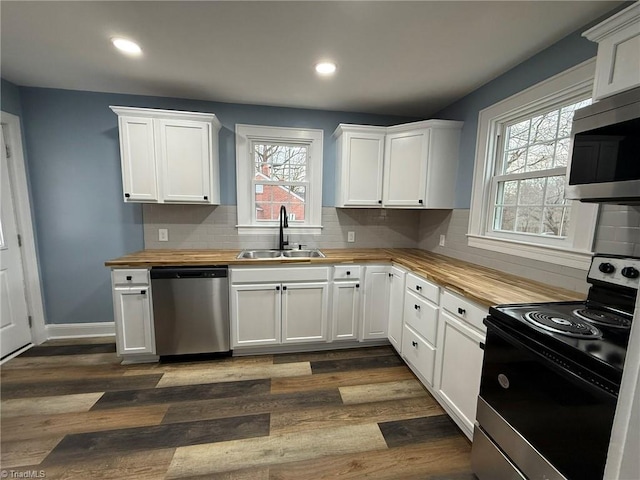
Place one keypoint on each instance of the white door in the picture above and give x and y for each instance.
(14, 318)
(346, 310)
(133, 321)
(460, 368)
(304, 312)
(405, 169)
(185, 158)
(138, 156)
(396, 308)
(376, 302)
(255, 314)
(365, 153)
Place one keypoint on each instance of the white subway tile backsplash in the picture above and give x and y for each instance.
(196, 226)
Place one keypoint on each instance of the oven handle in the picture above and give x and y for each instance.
(566, 371)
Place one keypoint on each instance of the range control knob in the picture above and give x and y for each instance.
(630, 272)
(606, 267)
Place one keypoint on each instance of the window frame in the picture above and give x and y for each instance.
(246, 137)
(575, 251)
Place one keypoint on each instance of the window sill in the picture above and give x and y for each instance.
(270, 229)
(580, 259)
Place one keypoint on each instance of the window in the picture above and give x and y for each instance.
(276, 167)
(518, 204)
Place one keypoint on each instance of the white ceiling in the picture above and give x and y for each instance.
(406, 58)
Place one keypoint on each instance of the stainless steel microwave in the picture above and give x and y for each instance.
(605, 159)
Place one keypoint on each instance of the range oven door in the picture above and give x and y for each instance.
(543, 416)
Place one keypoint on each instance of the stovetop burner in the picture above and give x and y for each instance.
(601, 317)
(563, 324)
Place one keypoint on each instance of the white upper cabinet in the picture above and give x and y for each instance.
(359, 165)
(169, 156)
(139, 177)
(405, 166)
(618, 60)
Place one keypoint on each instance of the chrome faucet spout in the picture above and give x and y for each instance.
(284, 223)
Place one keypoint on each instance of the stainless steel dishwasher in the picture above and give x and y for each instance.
(190, 309)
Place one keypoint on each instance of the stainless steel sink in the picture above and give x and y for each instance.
(302, 254)
(260, 254)
(275, 254)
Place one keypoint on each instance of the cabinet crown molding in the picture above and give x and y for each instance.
(614, 23)
(353, 128)
(167, 114)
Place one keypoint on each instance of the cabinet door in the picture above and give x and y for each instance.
(134, 322)
(396, 307)
(459, 369)
(346, 310)
(138, 157)
(185, 157)
(363, 167)
(304, 312)
(376, 302)
(255, 314)
(405, 170)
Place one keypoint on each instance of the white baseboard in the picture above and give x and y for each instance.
(79, 330)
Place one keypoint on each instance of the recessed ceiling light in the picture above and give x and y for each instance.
(126, 46)
(325, 68)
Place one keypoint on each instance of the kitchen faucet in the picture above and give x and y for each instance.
(284, 223)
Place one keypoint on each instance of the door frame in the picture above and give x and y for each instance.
(24, 223)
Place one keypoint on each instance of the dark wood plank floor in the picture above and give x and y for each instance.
(69, 410)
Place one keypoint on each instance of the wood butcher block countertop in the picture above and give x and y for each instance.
(480, 284)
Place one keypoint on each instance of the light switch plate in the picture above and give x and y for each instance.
(351, 237)
(163, 235)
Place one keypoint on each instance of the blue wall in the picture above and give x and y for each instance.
(10, 98)
(74, 165)
(566, 53)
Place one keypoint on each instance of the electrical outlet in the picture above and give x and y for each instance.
(163, 235)
(351, 237)
(442, 238)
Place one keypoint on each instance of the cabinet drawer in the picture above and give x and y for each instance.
(130, 277)
(418, 353)
(346, 272)
(289, 274)
(464, 309)
(421, 315)
(424, 288)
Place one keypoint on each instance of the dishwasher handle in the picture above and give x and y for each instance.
(189, 272)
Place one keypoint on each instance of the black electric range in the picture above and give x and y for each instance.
(550, 379)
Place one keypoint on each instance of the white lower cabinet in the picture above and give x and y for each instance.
(459, 369)
(459, 361)
(396, 307)
(376, 302)
(304, 312)
(133, 313)
(417, 351)
(346, 302)
(256, 314)
(287, 306)
(345, 312)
